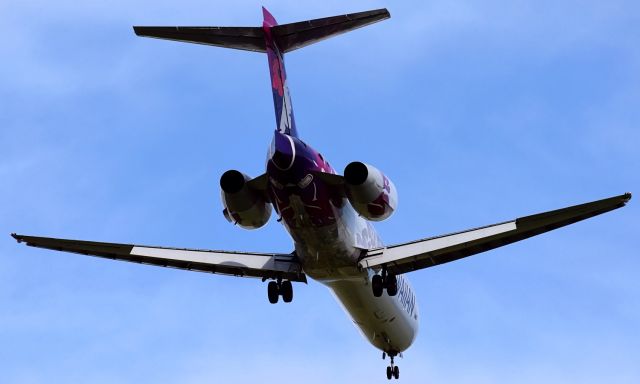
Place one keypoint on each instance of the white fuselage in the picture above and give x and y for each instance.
(390, 323)
(329, 255)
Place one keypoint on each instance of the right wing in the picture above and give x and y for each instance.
(243, 264)
(438, 250)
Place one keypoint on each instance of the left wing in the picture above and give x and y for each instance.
(264, 265)
(438, 250)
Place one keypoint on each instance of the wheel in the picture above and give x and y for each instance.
(392, 285)
(396, 372)
(376, 285)
(389, 373)
(286, 290)
(273, 291)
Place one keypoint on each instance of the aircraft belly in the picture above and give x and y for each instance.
(330, 251)
(326, 253)
(382, 320)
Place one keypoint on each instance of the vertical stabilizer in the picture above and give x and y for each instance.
(285, 122)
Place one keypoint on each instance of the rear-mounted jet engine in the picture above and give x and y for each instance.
(243, 205)
(370, 192)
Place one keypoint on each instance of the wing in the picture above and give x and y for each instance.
(438, 250)
(264, 265)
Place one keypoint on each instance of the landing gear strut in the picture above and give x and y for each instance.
(280, 288)
(386, 281)
(392, 370)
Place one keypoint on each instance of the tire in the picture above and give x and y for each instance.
(286, 290)
(272, 292)
(392, 285)
(389, 373)
(396, 372)
(376, 285)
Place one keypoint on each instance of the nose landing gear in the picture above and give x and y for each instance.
(392, 370)
(386, 281)
(280, 288)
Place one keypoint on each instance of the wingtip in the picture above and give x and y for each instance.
(627, 197)
(17, 237)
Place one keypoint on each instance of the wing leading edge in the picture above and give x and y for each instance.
(438, 250)
(260, 265)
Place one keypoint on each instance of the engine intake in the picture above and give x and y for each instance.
(243, 205)
(369, 191)
(232, 181)
(356, 173)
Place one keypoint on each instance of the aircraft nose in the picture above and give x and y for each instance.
(284, 151)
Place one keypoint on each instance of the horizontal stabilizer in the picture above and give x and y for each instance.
(292, 36)
(245, 38)
(288, 37)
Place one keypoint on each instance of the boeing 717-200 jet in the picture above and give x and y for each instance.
(327, 215)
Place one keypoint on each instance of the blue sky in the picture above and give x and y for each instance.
(480, 112)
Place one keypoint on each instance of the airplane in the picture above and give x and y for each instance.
(328, 216)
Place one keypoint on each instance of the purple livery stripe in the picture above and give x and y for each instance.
(285, 122)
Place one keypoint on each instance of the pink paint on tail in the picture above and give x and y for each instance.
(285, 122)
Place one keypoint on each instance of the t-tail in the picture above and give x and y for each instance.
(273, 39)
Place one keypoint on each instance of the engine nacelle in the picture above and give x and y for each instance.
(370, 192)
(242, 205)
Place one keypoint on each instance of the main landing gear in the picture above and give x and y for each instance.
(280, 288)
(392, 370)
(386, 281)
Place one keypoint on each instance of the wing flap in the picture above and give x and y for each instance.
(259, 265)
(438, 250)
